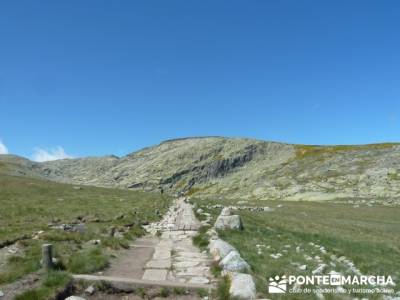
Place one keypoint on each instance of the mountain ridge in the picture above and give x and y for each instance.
(236, 168)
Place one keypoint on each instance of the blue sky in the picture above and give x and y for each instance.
(101, 77)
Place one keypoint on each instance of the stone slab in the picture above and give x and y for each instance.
(155, 274)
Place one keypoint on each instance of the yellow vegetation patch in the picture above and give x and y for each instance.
(303, 151)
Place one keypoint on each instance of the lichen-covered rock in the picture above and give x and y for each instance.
(219, 249)
(242, 286)
(229, 222)
(226, 211)
(233, 262)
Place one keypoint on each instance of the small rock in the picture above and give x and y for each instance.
(267, 209)
(95, 242)
(319, 269)
(1, 294)
(242, 286)
(276, 256)
(74, 298)
(229, 222)
(81, 228)
(90, 290)
(303, 267)
(226, 211)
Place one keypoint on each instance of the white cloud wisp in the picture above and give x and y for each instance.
(41, 155)
(3, 148)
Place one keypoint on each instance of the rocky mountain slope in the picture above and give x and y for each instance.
(235, 168)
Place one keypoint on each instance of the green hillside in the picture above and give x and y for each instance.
(29, 206)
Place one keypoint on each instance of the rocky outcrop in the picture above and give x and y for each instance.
(235, 168)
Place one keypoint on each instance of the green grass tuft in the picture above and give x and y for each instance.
(88, 261)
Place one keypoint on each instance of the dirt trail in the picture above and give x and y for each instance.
(131, 263)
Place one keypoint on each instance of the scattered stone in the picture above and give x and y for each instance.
(37, 235)
(81, 227)
(268, 209)
(90, 290)
(303, 267)
(319, 269)
(74, 298)
(242, 286)
(226, 211)
(1, 293)
(229, 222)
(233, 262)
(95, 242)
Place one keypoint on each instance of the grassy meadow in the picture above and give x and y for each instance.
(369, 237)
(29, 206)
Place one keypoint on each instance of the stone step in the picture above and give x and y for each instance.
(141, 282)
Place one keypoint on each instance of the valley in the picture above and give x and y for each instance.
(304, 209)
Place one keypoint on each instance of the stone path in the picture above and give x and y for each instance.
(175, 257)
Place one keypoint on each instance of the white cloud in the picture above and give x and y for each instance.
(3, 148)
(55, 153)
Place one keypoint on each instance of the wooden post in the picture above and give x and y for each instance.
(47, 256)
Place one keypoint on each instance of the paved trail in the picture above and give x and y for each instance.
(175, 257)
(170, 258)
